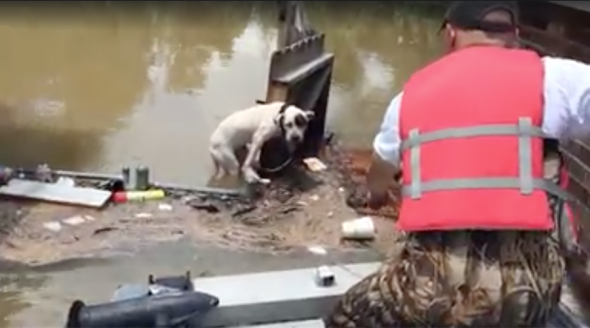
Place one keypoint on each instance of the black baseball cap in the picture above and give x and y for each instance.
(469, 15)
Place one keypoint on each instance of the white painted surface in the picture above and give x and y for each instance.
(291, 299)
(293, 324)
(55, 193)
(279, 296)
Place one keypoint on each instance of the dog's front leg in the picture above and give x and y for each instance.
(251, 162)
(255, 162)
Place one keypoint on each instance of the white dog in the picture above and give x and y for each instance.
(251, 128)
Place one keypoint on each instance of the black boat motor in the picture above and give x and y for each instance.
(164, 303)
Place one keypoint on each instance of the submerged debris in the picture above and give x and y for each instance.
(54, 226)
(203, 205)
(297, 209)
(352, 166)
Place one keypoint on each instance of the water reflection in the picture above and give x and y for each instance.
(105, 83)
(377, 49)
(12, 286)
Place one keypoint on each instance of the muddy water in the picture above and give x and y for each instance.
(45, 294)
(103, 84)
(97, 85)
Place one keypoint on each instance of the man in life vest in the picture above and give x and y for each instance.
(467, 133)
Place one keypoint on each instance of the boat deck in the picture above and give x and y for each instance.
(292, 299)
(578, 5)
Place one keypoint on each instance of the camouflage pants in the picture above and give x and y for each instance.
(459, 279)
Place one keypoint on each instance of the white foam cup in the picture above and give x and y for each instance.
(359, 229)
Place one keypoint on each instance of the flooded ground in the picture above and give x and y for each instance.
(50, 290)
(104, 84)
(98, 85)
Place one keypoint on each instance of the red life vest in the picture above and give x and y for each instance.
(472, 147)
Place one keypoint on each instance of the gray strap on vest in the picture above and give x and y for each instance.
(525, 182)
(488, 183)
(525, 155)
(415, 184)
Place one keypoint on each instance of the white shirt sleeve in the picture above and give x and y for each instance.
(567, 98)
(566, 112)
(387, 142)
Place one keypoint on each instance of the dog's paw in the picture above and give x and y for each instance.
(251, 177)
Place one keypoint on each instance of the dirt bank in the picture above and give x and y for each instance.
(294, 213)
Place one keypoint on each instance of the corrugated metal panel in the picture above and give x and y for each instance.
(55, 193)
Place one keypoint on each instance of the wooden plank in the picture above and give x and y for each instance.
(55, 193)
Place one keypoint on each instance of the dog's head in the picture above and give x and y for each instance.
(293, 122)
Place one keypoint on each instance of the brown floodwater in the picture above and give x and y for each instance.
(98, 85)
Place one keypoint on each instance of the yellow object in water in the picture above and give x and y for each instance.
(126, 196)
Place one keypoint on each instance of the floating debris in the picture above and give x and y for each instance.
(203, 205)
(74, 220)
(144, 215)
(244, 210)
(165, 207)
(66, 182)
(359, 229)
(352, 166)
(317, 250)
(314, 164)
(104, 230)
(53, 226)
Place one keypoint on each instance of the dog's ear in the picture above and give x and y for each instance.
(309, 115)
(279, 119)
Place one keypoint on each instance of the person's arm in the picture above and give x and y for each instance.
(386, 148)
(567, 98)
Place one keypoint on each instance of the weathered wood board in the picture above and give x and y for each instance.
(54, 193)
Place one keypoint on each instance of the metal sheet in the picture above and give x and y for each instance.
(556, 322)
(291, 299)
(292, 324)
(55, 193)
(278, 296)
